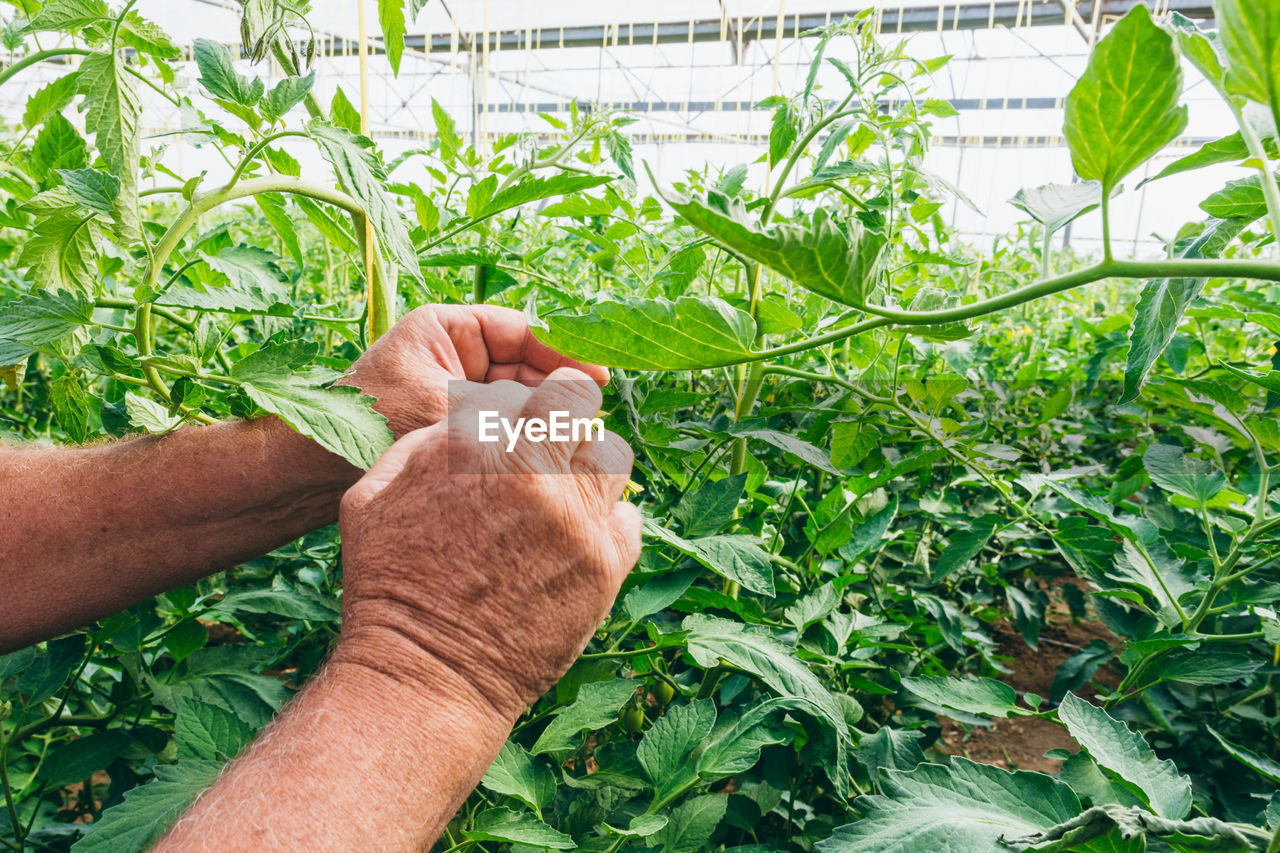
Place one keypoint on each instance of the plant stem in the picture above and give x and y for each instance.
(253, 153)
(1269, 190)
(38, 57)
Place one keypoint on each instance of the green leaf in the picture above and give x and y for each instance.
(502, 824)
(50, 100)
(273, 210)
(1228, 149)
(712, 639)
(708, 508)
(782, 133)
(690, 333)
(70, 406)
(343, 113)
(146, 414)
(1206, 667)
(1055, 205)
(113, 110)
(1203, 49)
(621, 154)
(814, 607)
(534, 188)
(1267, 768)
(736, 557)
(666, 751)
(976, 697)
(299, 603)
(1240, 199)
(888, 748)
(68, 15)
(596, 706)
(77, 760)
(92, 189)
(1163, 302)
(147, 37)
(338, 417)
(42, 317)
(657, 594)
(691, 824)
(58, 146)
(208, 732)
(285, 95)
(1123, 753)
(220, 78)
(1173, 470)
(963, 806)
(787, 443)
(868, 536)
(446, 132)
(515, 773)
(62, 254)
(735, 744)
(1269, 380)
(1125, 107)
(641, 826)
(391, 19)
(362, 176)
(1097, 828)
(1250, 31)
(835, 261)
(148, 810)
(963, 546)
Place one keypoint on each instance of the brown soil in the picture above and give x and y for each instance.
(1020, 744)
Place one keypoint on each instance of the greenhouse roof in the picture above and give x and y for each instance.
(693, 73)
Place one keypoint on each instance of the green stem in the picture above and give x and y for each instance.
(1256, 150)
(1107, 257)
(41, 56)
(253, 153)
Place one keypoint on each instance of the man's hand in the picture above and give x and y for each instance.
(493, 566)
(414, 367)
(472, 579)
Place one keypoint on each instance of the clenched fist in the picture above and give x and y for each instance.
(488, 564)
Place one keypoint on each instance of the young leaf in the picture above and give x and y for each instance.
(446, 133)
(515, 773)
(1125, 106)
(596, 706)
(657, 594)
(338, 417)
(712, 639)
(50, 100)
(1055, 205)
(518, 828)
(1163, 302)
(148, 810)
(1172, 470)
(963, 546)
(391, 19)
(343, 113)
(285, 95)
(69, 15)
(736, 557)
(1250, 30)
(838, 262)
(534, 188)
(361, 174)
(209, 732)
(782, 133)
(1214, 666)
(220, 78)
(976, 697)
(963, 806)
(63, 251)
(1228, 149)
(691, 824)
(690, 333)
(92, 189)
(1241, 199)
(666, 752)
(42, 317)
(705, 510)
(113, 108)
(76, 760)
(1119, 750)
(148, 415)
(70, 406)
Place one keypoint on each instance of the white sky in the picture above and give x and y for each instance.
(989, 65)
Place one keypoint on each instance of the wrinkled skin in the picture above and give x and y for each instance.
(441, 351)
(496, 566)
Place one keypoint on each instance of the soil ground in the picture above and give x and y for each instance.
(1020, 744)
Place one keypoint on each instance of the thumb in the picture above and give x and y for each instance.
(386, 469)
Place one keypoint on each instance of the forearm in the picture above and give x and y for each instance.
(363, 759)
(87, 532)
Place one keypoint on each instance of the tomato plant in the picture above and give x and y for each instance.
(880, 465)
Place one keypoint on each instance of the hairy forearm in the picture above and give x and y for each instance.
(367, 759)
(87, 532)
